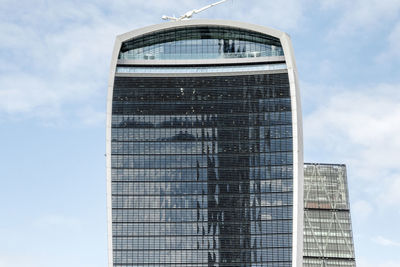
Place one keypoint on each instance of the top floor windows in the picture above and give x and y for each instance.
(201, 43)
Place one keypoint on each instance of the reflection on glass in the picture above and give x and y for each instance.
(260, 67)
(202, 171)
(201, 43)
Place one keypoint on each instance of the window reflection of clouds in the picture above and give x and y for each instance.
(218, 183)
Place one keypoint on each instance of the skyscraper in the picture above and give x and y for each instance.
(328, 238)
(204, 147)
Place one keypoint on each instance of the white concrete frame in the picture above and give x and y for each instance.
(298, 173)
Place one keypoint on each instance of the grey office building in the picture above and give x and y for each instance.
(204, 147)
(328, 239)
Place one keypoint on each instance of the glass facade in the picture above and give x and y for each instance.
(198, 69)
(328, 239)
(201, 165)
(201, 43)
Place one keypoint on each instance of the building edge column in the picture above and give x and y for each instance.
(298, 161)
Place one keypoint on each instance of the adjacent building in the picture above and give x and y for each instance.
(204, 147)
(328, 239)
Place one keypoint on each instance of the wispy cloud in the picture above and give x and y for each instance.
(392, 51)
(380, 240)
(52, 65)
(269, 13)
(361, 15)
(358, 126)
(89, 116)
(58, 54)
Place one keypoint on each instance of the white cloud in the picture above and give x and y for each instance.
(269, 13)
(392, 50)
(391, 196)
(58, 53)
(54, 65)
(360, 127)
(261, 12)
(362, 15)
(89, 116)
(23, 93)
(380, 240)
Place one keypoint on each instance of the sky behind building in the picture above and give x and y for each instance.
(54, 64)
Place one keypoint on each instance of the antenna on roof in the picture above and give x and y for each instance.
(189, 14)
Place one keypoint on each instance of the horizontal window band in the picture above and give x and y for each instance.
(133, 111)
(197, 181)
(288, 220)
(246, 142)
(210, 235)
(200, 74)
(208, 127)
(210, 249)
(194, 181)
(224, 61)
(327, 209)
(219, 154)
(220, 195)
(258, 103)
(270, 91)
(211, 209)
(328, 258)
(203, 263)
(205, 168)
(200, 222)
(191, 264)
(188, 167)
(209, 69)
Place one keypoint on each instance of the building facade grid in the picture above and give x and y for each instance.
(203, 171)
(328, 239)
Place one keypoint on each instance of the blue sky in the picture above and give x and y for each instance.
(54, 63)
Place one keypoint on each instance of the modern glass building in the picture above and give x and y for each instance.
(328, 239)
(204, 147)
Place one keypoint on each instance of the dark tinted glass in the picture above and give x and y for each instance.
(201, 43)
(202, 171)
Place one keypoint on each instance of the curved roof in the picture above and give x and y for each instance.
(204, 40)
